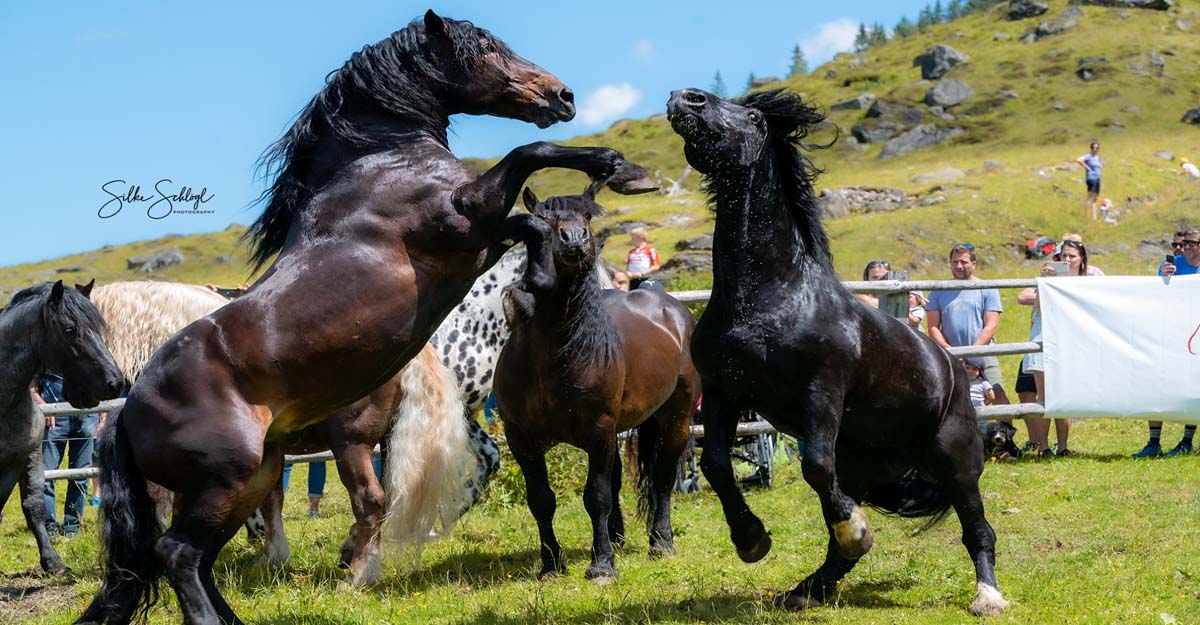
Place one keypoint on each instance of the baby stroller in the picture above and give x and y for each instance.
(753, 456)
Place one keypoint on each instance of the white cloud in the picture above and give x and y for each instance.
(829, 39)
(608, 103)
(644, 51)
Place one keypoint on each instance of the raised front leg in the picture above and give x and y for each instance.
(820, 422)
(33, 505)
(535, 233)
(496, 190)
(720, 427)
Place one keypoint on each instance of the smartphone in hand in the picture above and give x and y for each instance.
(1061, 268)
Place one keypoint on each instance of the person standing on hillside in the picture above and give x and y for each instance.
(1092, 165)
(642, 259)
(1187, 263)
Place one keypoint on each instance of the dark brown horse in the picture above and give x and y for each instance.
(585, 365)
(379, 231)
(878, 405)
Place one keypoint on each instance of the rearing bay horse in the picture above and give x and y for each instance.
(379, 231)
(878, 405)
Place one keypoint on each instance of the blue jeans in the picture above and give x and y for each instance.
(81, 430)
(316, 478)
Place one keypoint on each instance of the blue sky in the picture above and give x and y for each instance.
(193, 92)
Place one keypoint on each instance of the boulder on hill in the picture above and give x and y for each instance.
(1023, 9)
(837, 203)
(939, 177)
(700, 242)
(1090, 67)
(938, 60)
(861, 103)
(875, 131)
(1056, 26)
(1192, 116)
(918, 138)
(1157, 5)
(948, 93)
(895, 112)
(158, 260)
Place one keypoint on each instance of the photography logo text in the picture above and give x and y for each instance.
(167, 199)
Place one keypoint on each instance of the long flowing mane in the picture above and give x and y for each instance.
(392, 79)
(789, 122)
(145, 314)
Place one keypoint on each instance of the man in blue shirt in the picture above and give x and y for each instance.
(1185, 264)
(962, 318)
(79, 432)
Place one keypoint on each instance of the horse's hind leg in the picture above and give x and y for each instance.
(542, 503)
(360, 552)
(32, 482)
(271, 512)
(674, 426)
(957, 462)
(720, 426)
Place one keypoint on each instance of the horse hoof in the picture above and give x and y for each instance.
(549, 573)
(988, 601)
(854, 536)
(631, 179)
(57, 570)
(662, 550)
(796, 602)
(600, 575)
(758, 551)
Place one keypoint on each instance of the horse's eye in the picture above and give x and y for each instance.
(755, 116)
(69, 330)
(488, 47)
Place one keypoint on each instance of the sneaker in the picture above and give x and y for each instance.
(1182, 449)
(312, 514)
(1151, 450)
(1046, 453)
(53, 529)
(95, 502)
(1063, 453)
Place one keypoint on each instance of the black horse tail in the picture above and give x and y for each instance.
(642, 451)
(129, 529)
(911, 497)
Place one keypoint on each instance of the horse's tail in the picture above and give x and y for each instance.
(429, 459)
(912, 496)
(129, 529)
(643, 448)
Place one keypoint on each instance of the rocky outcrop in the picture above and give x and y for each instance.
(1023, 9)
(938, 60)
(896, 112)
(158, 260)
(918, 138)
(837, 203)
(861, 103)
(1157, 5)
(1091, 67)
(701, 242)
(875, 131)
(1192, 116)
(1053, 27)
(948, 93)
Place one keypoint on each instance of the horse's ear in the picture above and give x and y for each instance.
(435, 25)
(593, 188)
(86, 289)
(530, 199)
(56, 293)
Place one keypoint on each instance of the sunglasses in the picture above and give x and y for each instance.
(1188, 243)
(879, 263)
(966, 245)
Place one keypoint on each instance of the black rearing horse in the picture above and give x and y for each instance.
(878, 405)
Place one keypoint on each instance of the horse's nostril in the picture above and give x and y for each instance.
(566, 95)
(695, 98)
(562, 234)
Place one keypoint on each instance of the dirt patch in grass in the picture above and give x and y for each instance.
(30, 594)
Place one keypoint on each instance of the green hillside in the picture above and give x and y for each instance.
(1132, 105)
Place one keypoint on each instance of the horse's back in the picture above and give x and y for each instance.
(656, 332)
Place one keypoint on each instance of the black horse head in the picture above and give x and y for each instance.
(570, 219)
(721, 134)
(71, 344)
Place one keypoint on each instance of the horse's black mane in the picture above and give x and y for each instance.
(592, 337)
(75, 308)
(392, 79)
(789, 122)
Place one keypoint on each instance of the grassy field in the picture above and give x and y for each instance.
(1097, 538)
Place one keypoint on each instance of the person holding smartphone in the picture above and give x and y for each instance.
(1070, 260)
(1187, 263)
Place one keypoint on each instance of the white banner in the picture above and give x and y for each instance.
(1122, 347)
